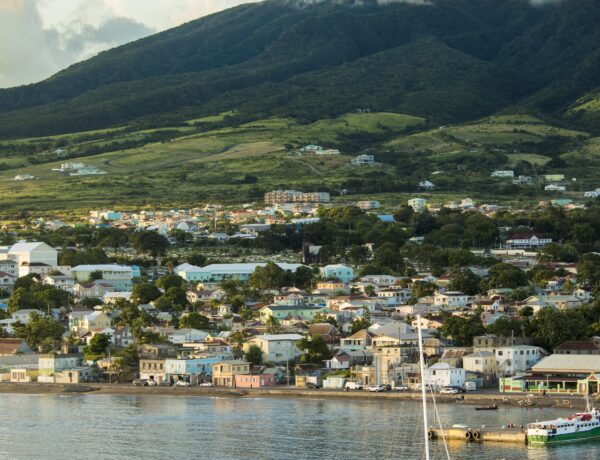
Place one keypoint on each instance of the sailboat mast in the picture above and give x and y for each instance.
(423, 390)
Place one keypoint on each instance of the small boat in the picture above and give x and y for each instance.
(494, 407)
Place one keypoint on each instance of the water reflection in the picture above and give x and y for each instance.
(159, 427)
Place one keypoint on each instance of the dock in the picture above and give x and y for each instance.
(510, 435)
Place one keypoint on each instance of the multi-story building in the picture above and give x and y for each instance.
(294, 196)
(119, 276)
(276, 348)
(224, 372)
(527, 241)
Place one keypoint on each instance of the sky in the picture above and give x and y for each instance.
(40, 37)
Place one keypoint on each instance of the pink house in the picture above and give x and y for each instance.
(254, 380)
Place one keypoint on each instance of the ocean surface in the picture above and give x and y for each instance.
(174, 427)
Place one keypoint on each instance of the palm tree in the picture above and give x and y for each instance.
(272, 325)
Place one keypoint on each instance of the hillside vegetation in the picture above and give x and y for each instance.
(448, 61)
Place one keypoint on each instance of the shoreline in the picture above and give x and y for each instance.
(478, 398)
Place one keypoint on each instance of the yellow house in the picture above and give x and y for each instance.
(97, 320)
(224, 372)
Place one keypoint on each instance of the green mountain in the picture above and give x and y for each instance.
(445, 60)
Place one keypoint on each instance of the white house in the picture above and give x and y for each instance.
(30, 253)
(505, 173)
(418, 204)
(221, 272)
(450, 299)
(517, 358)
(341, 272)
(427, 185)
(277, 348)
(443, 375)
(368, 205)
(22, 316)
(555, 188)
(363, 160)
(527, 241)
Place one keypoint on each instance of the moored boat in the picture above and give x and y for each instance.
(579, 427)
(493, 407)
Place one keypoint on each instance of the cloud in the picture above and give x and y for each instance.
(40, 37)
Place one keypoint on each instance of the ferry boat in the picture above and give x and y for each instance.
(579, 427)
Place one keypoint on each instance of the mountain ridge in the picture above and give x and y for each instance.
(272, 58)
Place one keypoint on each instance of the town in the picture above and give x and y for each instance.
(303, 293)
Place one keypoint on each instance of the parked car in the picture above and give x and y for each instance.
(151, 383)
(312, 385)
(353, 386)
(140, 382)
(165, 383)
(206, 384)
(449, 391)
(401, 388)
(182, 383)
(376, 388)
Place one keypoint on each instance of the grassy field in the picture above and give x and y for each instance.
(235, 164)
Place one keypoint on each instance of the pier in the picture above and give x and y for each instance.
(511, 435)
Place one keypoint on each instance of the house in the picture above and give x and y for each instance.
(338, 271)
(96, 290)
(450, 299)
(557, 301)
(222, 272)
(555, 188)
(81, 322)
(389, 360)
(66, 283)
(503, 173)
(331, 287)
(427, 185)
(50, 365)
(368, 205)
(22, 316)
(578, 348)
(513, 359)
(11, 347)
(35, 252)
(418, 204)
(347, 359)
(153, 369)
(326, 330)
(481, 362)
(9, 266)
(7, 281)
(426, 323)
(224, 372)
(527, 241)
(394, 296)
(443, 375)
(359, 341)
(120, 277)
(254, 380)
(276, 348)
(279, 312)
(192, 370)
(363, 160)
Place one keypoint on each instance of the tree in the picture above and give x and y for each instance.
(315, 349)
(506, 327)
(267, 277)
(150, 243)
(98, 347)
(462, 329)
(197, 259)
(254, 355)
(588, 270)
(168, 281)
(323, 318)
(388, 255)
(361, 323)
(464, 280)
(96, 275)
(358, 254)
(40, 330)
(126, 362)
(193, 321)
(272, 324)
(145, 293)
(303, 278)
(506, 276)
(551, 327)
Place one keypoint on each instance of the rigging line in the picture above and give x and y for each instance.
(437, 415)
